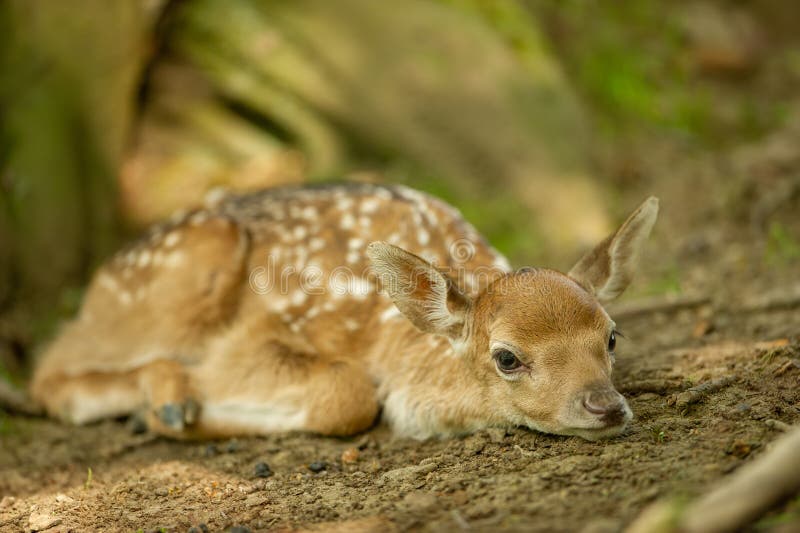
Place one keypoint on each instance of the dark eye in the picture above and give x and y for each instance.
(506, 361)
(612, 341)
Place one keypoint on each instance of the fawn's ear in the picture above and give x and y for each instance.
(428, 298)
(607, 270)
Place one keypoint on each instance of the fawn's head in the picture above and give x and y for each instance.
(538, 341)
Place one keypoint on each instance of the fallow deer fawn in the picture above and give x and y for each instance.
(261, 313)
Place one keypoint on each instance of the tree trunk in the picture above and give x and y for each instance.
(70, 74)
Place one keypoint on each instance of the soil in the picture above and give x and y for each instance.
(736, 320)
(105, 477)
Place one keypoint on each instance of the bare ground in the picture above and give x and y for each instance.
(104, 477)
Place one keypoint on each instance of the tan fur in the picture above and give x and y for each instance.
(263, 313)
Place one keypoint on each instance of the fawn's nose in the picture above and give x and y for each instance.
(608, 405)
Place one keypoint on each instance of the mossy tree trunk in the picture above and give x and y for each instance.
(70, 75)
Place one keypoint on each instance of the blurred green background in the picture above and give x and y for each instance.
(543, 121)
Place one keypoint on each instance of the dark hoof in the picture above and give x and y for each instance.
(172, 415)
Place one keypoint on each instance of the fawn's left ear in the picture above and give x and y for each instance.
(607, 270)
(428, 298)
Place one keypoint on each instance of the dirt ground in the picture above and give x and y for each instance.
(105, 478)
(734, 322)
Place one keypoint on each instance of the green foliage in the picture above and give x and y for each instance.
(790, 515)
(631, 63)
(782, 247)
(516, 27)
(668, 282)
(625, 58)
(658, 435)
(6, 423)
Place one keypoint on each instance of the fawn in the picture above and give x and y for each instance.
(300, 308)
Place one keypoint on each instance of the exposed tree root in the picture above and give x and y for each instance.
(737, 500)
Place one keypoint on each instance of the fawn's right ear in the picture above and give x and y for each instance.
(428, 298)
(607, 270)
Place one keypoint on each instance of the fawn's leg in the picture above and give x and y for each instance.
(259, 383)
(90, 396)
(150, 305)
(169, 403)
(160, 387)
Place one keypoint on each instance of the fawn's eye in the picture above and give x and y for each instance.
(506, 361)
(612, 341)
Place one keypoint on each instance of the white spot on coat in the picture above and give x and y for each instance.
(300, 232)
(423, 237)
(172, 239)
(144, 259)
(298, 298)
(370, 205)
(348, 221)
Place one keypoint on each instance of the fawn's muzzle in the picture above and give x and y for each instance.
(608, 405)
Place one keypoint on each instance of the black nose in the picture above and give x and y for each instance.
(607, 404)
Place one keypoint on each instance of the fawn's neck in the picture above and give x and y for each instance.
(424, 386)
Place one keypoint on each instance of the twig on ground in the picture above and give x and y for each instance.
(737, 500)
(782, 298)
(749, 492)
(660, 386)
(683, 400)
(788, 365)
(661, 304)
(523, 451)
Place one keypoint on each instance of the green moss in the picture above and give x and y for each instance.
(790, 515)
(668, 282)
(782, 247)
(631, 62)
(6, 424)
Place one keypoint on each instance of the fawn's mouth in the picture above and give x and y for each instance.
(591, 433)
(600, 428)
(594, 434)
(591, 428)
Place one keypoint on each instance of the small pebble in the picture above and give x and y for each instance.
(239, 529)
(263, 470)
(232, 446)
(740, 449)
(350, 455)
(63, 498)
(474, 445)
(318, 466)
(41, 520)
(7, 501)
